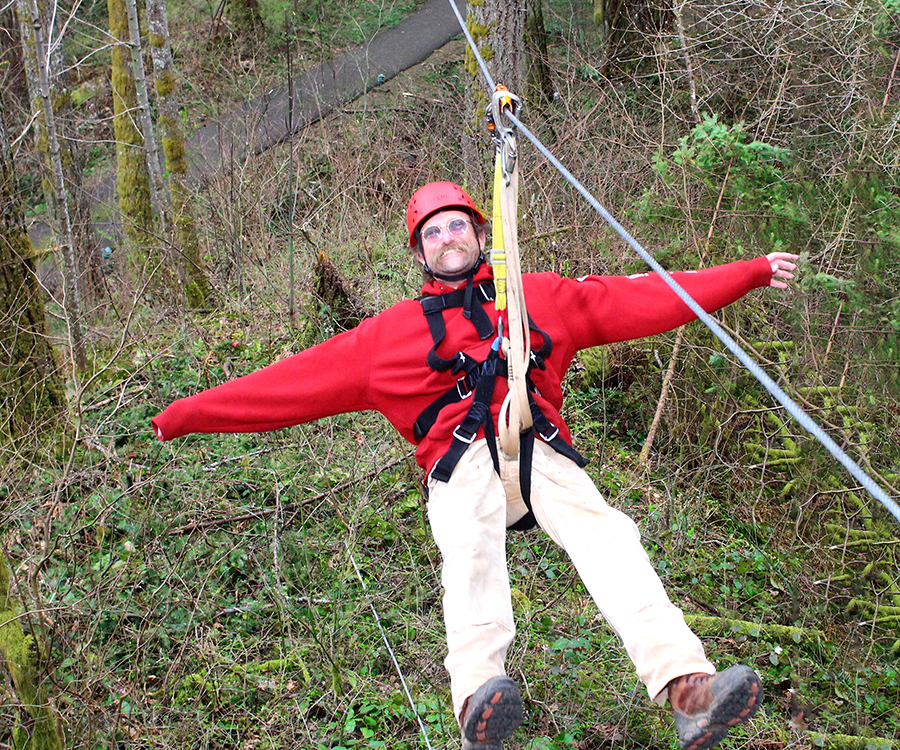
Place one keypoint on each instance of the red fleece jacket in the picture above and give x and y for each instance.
(381, 365)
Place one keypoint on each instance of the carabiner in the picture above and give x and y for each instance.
(503, 135)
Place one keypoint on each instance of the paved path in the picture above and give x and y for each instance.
(262, 122)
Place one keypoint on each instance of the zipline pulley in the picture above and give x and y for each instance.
(502, 134)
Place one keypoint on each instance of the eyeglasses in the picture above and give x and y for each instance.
(456, 228)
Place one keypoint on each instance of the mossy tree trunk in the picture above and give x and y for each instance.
(511, 38)
(160, 198)
(498, 29)
(72, 304)
(132, 174)
(36, 726)
(190, 266)
(31, 390)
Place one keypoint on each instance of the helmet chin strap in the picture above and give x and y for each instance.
(468, 276)
(458, 276)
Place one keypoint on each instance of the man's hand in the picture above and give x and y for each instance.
(781, 268)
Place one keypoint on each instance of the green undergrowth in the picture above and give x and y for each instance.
(203, 591)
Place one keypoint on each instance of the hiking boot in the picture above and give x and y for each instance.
(491, 714)
(707, 706)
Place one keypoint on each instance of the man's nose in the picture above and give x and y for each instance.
(445, 236)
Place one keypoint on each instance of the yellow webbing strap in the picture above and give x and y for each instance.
(515, 414)
(498, 250)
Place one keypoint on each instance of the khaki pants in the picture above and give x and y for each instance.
(469, 515)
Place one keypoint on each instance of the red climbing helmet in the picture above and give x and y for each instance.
(436, 196)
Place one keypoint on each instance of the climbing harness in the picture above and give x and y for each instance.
(477, 380)
(510, 354)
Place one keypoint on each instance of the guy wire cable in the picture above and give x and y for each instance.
(770, 385)
(412, 703)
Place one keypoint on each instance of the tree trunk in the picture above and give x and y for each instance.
(88, 262)
(538, 84)
(21, 681)
(191, 274)
(154, 164)
(132, 175)
(72, 301)
(623, 25)
(12, 68)
(511, 38)
(498, 29)
(31, 390)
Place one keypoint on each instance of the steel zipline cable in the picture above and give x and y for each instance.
(770, 385)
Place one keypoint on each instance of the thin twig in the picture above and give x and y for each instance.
(887, 91)
(262, 512)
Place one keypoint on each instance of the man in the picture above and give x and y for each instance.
(433, 367)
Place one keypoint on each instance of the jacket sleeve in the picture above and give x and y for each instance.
(327, 379)
(606, 309)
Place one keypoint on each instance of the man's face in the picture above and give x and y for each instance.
(450, 243)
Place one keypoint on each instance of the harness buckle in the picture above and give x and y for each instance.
(464, 388)
(460, 363)
(551, 436)
(468, 440)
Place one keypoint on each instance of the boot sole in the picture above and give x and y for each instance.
(737, 696)
(495, 711)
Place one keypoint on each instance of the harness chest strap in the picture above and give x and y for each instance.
(461, 362)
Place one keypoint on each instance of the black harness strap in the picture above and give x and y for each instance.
(479, 381)
(526, 453)
(466, 384)
(549, 433)
(435, 306)
(462, 390)
(478, 416)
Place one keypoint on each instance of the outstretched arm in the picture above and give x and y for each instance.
(327, 379)
(630, 307)
(782, 267)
